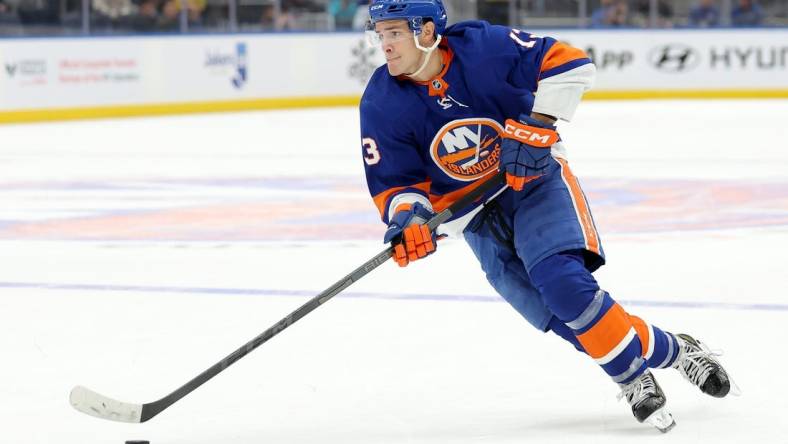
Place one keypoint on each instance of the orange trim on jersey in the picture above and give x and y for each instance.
(440, 203)
(559, 54)
(381, 199)
(448, 56)
(442, 85)
(642, 330)
(581, 208)
(438, 87)
(607, 333)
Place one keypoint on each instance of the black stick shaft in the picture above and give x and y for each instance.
(154, 408)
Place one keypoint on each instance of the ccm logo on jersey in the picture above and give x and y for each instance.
(531, 135)
(467, 149)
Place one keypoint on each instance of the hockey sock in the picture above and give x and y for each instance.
(660, 348)
(602, 327)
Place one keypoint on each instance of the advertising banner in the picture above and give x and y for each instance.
(52, 73)
(243, 71)
(687, 59)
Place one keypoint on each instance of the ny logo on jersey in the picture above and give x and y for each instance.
(448, 101)
(467, 149)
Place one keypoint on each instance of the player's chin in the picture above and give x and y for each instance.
(394, 67)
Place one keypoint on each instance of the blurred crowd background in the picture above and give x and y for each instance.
(101, 17)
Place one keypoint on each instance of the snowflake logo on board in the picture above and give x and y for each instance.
(363, 67)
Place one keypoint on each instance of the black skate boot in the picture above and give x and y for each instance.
(697, 364)
(648, 402)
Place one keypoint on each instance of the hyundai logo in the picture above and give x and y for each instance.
(674, 58)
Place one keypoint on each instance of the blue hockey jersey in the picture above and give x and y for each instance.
(433, 141)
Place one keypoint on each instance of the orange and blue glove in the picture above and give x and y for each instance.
(409, 234)
(525, 150)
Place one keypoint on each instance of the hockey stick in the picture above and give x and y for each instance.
(100, 406)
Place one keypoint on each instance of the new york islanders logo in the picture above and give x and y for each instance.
(467, 149)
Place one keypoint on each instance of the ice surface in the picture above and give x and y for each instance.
(136, 253)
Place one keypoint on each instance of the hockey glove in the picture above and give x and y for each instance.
(411, 238)
(525, 150)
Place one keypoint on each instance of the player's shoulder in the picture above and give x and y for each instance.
(377, 86)
(480, 37)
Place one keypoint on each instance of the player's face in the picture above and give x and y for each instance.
(396, 40)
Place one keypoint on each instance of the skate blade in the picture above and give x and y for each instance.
(735, 390)
(662, 420)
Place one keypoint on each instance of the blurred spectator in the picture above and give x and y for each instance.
(611, 13)
(362, 15)
(5, 10)
(114, 9)
(7, 16)
(194, 10)
(147, 17)
(705, 14)
(643, 14)
(494, 11)
(35, 12)
(620, 14)
(599, 16)
(288, 16)
(342, 12)
(747, 13)
(111, 15)
(266, 17)
(170, 18)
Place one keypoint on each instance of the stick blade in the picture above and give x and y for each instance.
(94, 404)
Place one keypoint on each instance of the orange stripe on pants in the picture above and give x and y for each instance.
(607, 333)
(581, 208)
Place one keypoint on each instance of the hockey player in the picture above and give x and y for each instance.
(452, 106)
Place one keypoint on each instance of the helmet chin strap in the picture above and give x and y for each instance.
(427, 53)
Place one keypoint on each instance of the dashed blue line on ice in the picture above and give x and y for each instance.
(361, 295)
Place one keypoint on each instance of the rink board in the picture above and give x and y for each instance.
(68, 78)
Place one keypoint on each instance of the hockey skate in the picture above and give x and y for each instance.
(697, 364)
(648, 402)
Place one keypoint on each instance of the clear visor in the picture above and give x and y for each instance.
(386, 36)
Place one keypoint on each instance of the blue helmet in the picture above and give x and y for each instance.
(414, 11)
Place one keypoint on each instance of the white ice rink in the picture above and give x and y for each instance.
(136, 253)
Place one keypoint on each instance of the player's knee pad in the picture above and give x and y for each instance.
(566, 286)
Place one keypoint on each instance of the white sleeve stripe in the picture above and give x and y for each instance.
(407, 198)
(559, 95)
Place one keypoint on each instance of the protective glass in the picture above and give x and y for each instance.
(389, 36)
